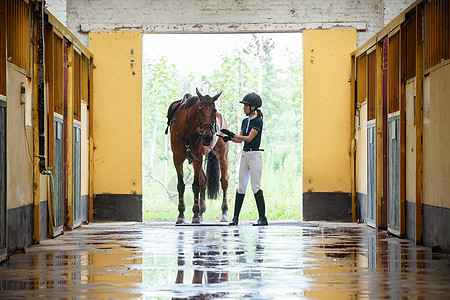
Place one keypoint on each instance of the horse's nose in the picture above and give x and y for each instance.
(207, 139)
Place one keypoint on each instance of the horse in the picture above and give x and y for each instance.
(194, 126)
(207, 263)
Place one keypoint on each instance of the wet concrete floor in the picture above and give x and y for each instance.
(286, 260)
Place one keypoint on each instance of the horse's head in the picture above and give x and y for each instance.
(207, 117)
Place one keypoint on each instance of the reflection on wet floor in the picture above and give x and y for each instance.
(284, 260)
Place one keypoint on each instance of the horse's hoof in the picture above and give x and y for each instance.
(203, 206)
(197, 220)
(180, 221)
(224, 218)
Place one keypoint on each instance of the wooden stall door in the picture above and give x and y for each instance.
(371, 175)
(76, 175)
(57, 107)
(393, 189)
(76, 139)
(65, 128)
(371, 139)
(3, 208)
(58, 181)
(394, 175)
(384, 204)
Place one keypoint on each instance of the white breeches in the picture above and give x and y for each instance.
(251, 166)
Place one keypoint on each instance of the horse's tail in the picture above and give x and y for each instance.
(212, 175)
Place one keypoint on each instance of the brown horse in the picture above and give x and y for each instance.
(194, 124)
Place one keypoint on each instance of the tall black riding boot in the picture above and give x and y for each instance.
(237, 208)
(262, 220)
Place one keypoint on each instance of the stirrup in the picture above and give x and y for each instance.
(234, 222)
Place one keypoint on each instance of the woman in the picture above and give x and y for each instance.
(251, 160)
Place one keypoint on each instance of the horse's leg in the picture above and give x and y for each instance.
(197, 218)
(178, 162)
(198, 259)
(223, 162)
(224, 261)
(181, 259)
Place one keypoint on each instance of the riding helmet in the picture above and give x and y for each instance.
(252, 99)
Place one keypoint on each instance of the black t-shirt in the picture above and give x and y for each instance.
(247, 126)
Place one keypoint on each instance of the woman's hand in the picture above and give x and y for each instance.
(227, 132)
(225, 138)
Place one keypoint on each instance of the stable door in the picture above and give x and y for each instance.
(3, 208)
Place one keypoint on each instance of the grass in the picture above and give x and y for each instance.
(279, 205)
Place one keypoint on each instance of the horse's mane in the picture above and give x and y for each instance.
(191, 101)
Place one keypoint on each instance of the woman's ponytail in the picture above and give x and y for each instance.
(259, 113)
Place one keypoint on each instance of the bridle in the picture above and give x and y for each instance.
(188, 143)
(207, 125)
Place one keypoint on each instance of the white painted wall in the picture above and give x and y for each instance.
(58, 8)
(227, 16)
(19, 145)
(392, 8)
(192, 16)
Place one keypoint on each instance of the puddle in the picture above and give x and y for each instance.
(170, 262)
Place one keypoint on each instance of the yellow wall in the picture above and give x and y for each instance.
(410, 142)
(361, 151)
(436, 138)
(19, 172)
(326, 109)
(335, 263)
(117, 112)
(113, 260)
(44, 179)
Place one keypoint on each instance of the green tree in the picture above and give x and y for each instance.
(244, 70)
(160, 89)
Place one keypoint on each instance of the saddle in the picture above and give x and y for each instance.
(174, 107)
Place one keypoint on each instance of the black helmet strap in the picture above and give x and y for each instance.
(251, 110)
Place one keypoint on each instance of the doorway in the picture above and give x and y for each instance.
(268, 64)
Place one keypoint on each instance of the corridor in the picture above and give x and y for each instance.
(286, 260)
